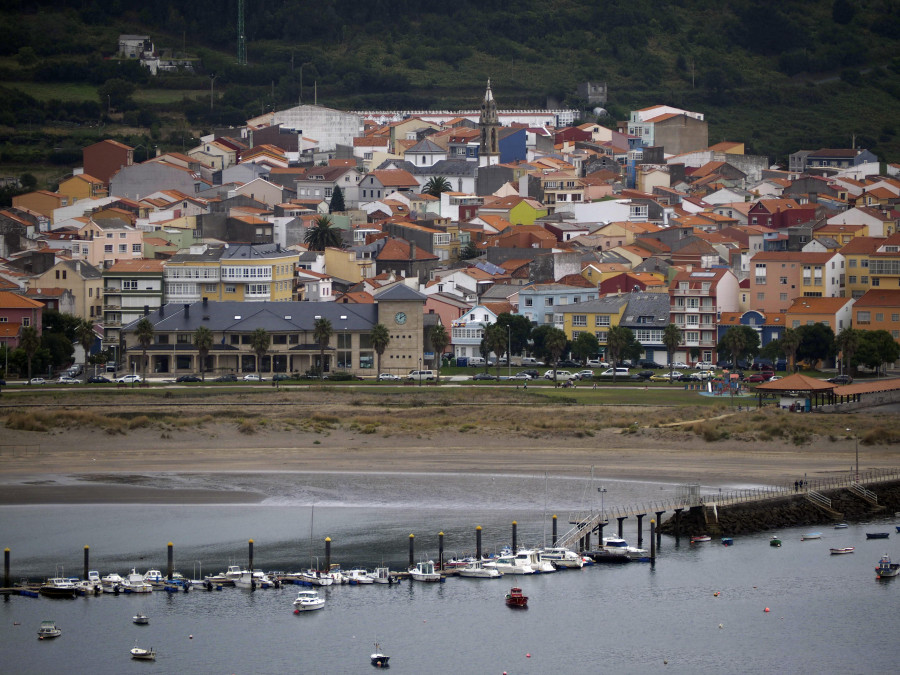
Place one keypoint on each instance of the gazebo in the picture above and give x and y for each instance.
(814, 392)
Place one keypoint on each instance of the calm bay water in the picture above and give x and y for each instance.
(828, 613)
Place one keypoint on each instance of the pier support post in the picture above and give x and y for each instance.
(640, 537)
(478, 542)
(250, 555)
(412, 551)
(87, 561)
(621, 519)
(587, 541)
(659, 515)
(600, 527)
(554, 540)
(678, 524)
(440, 550)
(652, 540)
(327, 553)
(514, 548)
(6, 583)
(171, 558)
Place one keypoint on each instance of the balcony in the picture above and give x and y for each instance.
(693, 292)
(184, 297)
(112, 323)
(111, 307)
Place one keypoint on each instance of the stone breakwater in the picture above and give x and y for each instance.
(788, 511)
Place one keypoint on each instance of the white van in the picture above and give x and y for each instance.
(531, 361)
(420, 375)
(561, 375)
(617, 372)
(475, 361)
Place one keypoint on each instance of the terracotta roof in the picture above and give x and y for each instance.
(879, 297)
(9, 329)
(862, 245)
(793, 256)
(15, 301)
(399, 249)
(890, 384)
(139, 265)
(805, 305)
(395, 177)
(797, 382)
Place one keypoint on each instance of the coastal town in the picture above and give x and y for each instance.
(387, 244)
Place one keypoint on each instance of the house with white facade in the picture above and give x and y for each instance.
(468, 331)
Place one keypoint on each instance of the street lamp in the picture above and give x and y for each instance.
(602, 491)
(508, 350)
(420, 371)
(856, 436)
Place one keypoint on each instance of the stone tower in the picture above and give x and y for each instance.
(489, 123)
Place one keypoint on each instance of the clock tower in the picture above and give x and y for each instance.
(401, 310)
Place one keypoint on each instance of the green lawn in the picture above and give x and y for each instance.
(48, 91)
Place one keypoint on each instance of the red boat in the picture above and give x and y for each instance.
(515, 598)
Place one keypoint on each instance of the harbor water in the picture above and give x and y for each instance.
(699, 609)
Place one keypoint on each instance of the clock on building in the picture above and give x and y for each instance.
(400, 317)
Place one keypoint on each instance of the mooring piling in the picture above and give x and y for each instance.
(478, 542)
(412, 550)
(440, 550)
(659, 515)
(6, 583)
(250, 555)
(327, 553)
(640, 528)
(514, 548)
(652, 540)
(554, 530)
(621, 520)
(87, 560)
(170, 570)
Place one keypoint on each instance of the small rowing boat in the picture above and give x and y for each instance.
(841, 551)
(811, 535)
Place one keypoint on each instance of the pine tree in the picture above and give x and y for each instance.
(337, 201)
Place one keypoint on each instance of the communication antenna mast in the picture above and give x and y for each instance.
(242, 42)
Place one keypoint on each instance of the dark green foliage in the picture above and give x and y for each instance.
(337, 201)
(816, 342)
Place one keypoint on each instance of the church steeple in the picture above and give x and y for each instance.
(489, 123)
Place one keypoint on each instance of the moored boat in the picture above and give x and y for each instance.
(562, 558)
(316, 578)
(515, 598)
(841, 526)
(358, 576)
(700, 538)
(307, 601)
(153, 576)
(48, 629)
(382, 575)
(727, 541)
(379, 659)
(477, 570)
(842, 550)
(424, 571)
(510, 564)
(58, 587)
(775, 541)
(619, 545)
(810, 535)
(112, 582)
(140, 619)
(143, 654)
(877, 535)
(886, 569)
(135, 583)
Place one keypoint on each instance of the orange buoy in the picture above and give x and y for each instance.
(766, 609)
(528, 656)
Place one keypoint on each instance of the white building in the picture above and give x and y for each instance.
(329, 127)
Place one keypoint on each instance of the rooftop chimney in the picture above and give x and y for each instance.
(147, 310)
(205, 301)
(187, 310)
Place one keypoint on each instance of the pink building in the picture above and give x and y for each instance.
(777, 278)
(105, 241)
(18, 312)
(698, 298)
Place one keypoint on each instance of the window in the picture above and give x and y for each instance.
(231, 289)
(529, 302)
(108, 248)
(549, 302)
(209, 288)
(864, 280)
(760, 296)
(782, 296)
(795, 324)
(26, 320)
(851, 279)
(123, 248)
(183, 338)
(601, 320)
(879, 316)
(851, 262)
(129, 284)
(135, 248)
(782, 281)
(876, 281)
(579, 319)
(863, 317)
(895, 317)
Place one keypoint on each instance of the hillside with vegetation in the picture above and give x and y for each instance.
(779, 76)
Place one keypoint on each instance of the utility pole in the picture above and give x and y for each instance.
(212, 80)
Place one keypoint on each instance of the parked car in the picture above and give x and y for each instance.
(644, 375)
(476, 361)
(615, 372)
(668, 376)
(65, 379)
(484, 376)
(37, 380)
(584, 375)
(703, 375)
(388, 377)
(419, 375)
(253, 377)
(99, 379)
(756, 378)
(533, 374)
(280, 377)
(597, 363)
(840, 379)
(704, 365)
(568, 363)
(648, 363)
(560, 375)
(523, 375)
(678, 365)
(129, 379)
(531, 361)
(227, 377)
(187, 378)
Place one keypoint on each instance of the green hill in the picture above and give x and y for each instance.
(777, 75)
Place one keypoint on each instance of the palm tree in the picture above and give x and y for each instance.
(322, 332)
(847, 342)
(323, 235)
(439, 341)
(495, 341)
(30, 342)
(617, 340)
(554, 345)
(143, 331)
(671, 339)
(790, 341)
(435, 186)
(84, 332)
(380, 338)
(259, 343)
(735, 343)
(203, 342)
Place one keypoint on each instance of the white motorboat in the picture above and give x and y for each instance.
(254, 580)
(58, 587)
(140, 619)
(424, 571)
(511, 564)
(218, 580)
(92, 585)
(477, 570)
(307, 601)
(358, 576)
(536, 560)
(135, 583)
(316, 578)
(234, 572)
(619, 546)
(561, 557)
(48, 629)
(154, 577)
(143, 654)
(382, 575)
(112, 582)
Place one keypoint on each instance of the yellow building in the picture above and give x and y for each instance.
(595, 316)
(82, 186)
(353, 265)
(80, 278)
(858, 255)
(242, 273)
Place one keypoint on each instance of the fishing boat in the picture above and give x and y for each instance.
(810, 535)
(112, 582)
(48, 630)
(562, 558)
(135, 583)
(358, 576)
(424, 571)
(700, 538)
(58, 587)
(140, 619)
(477, 570)
(307, 601)
(153, 577)
(841, 526)
(775, 541)
(143, 654)
(727, 541)
(515, 598)
(886, 568)
(382, 575)
(379, 659)
(877, 535)
(842, 550)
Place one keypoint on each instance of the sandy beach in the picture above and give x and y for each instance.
(673, 446)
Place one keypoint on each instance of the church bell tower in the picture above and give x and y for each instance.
(489, 124)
